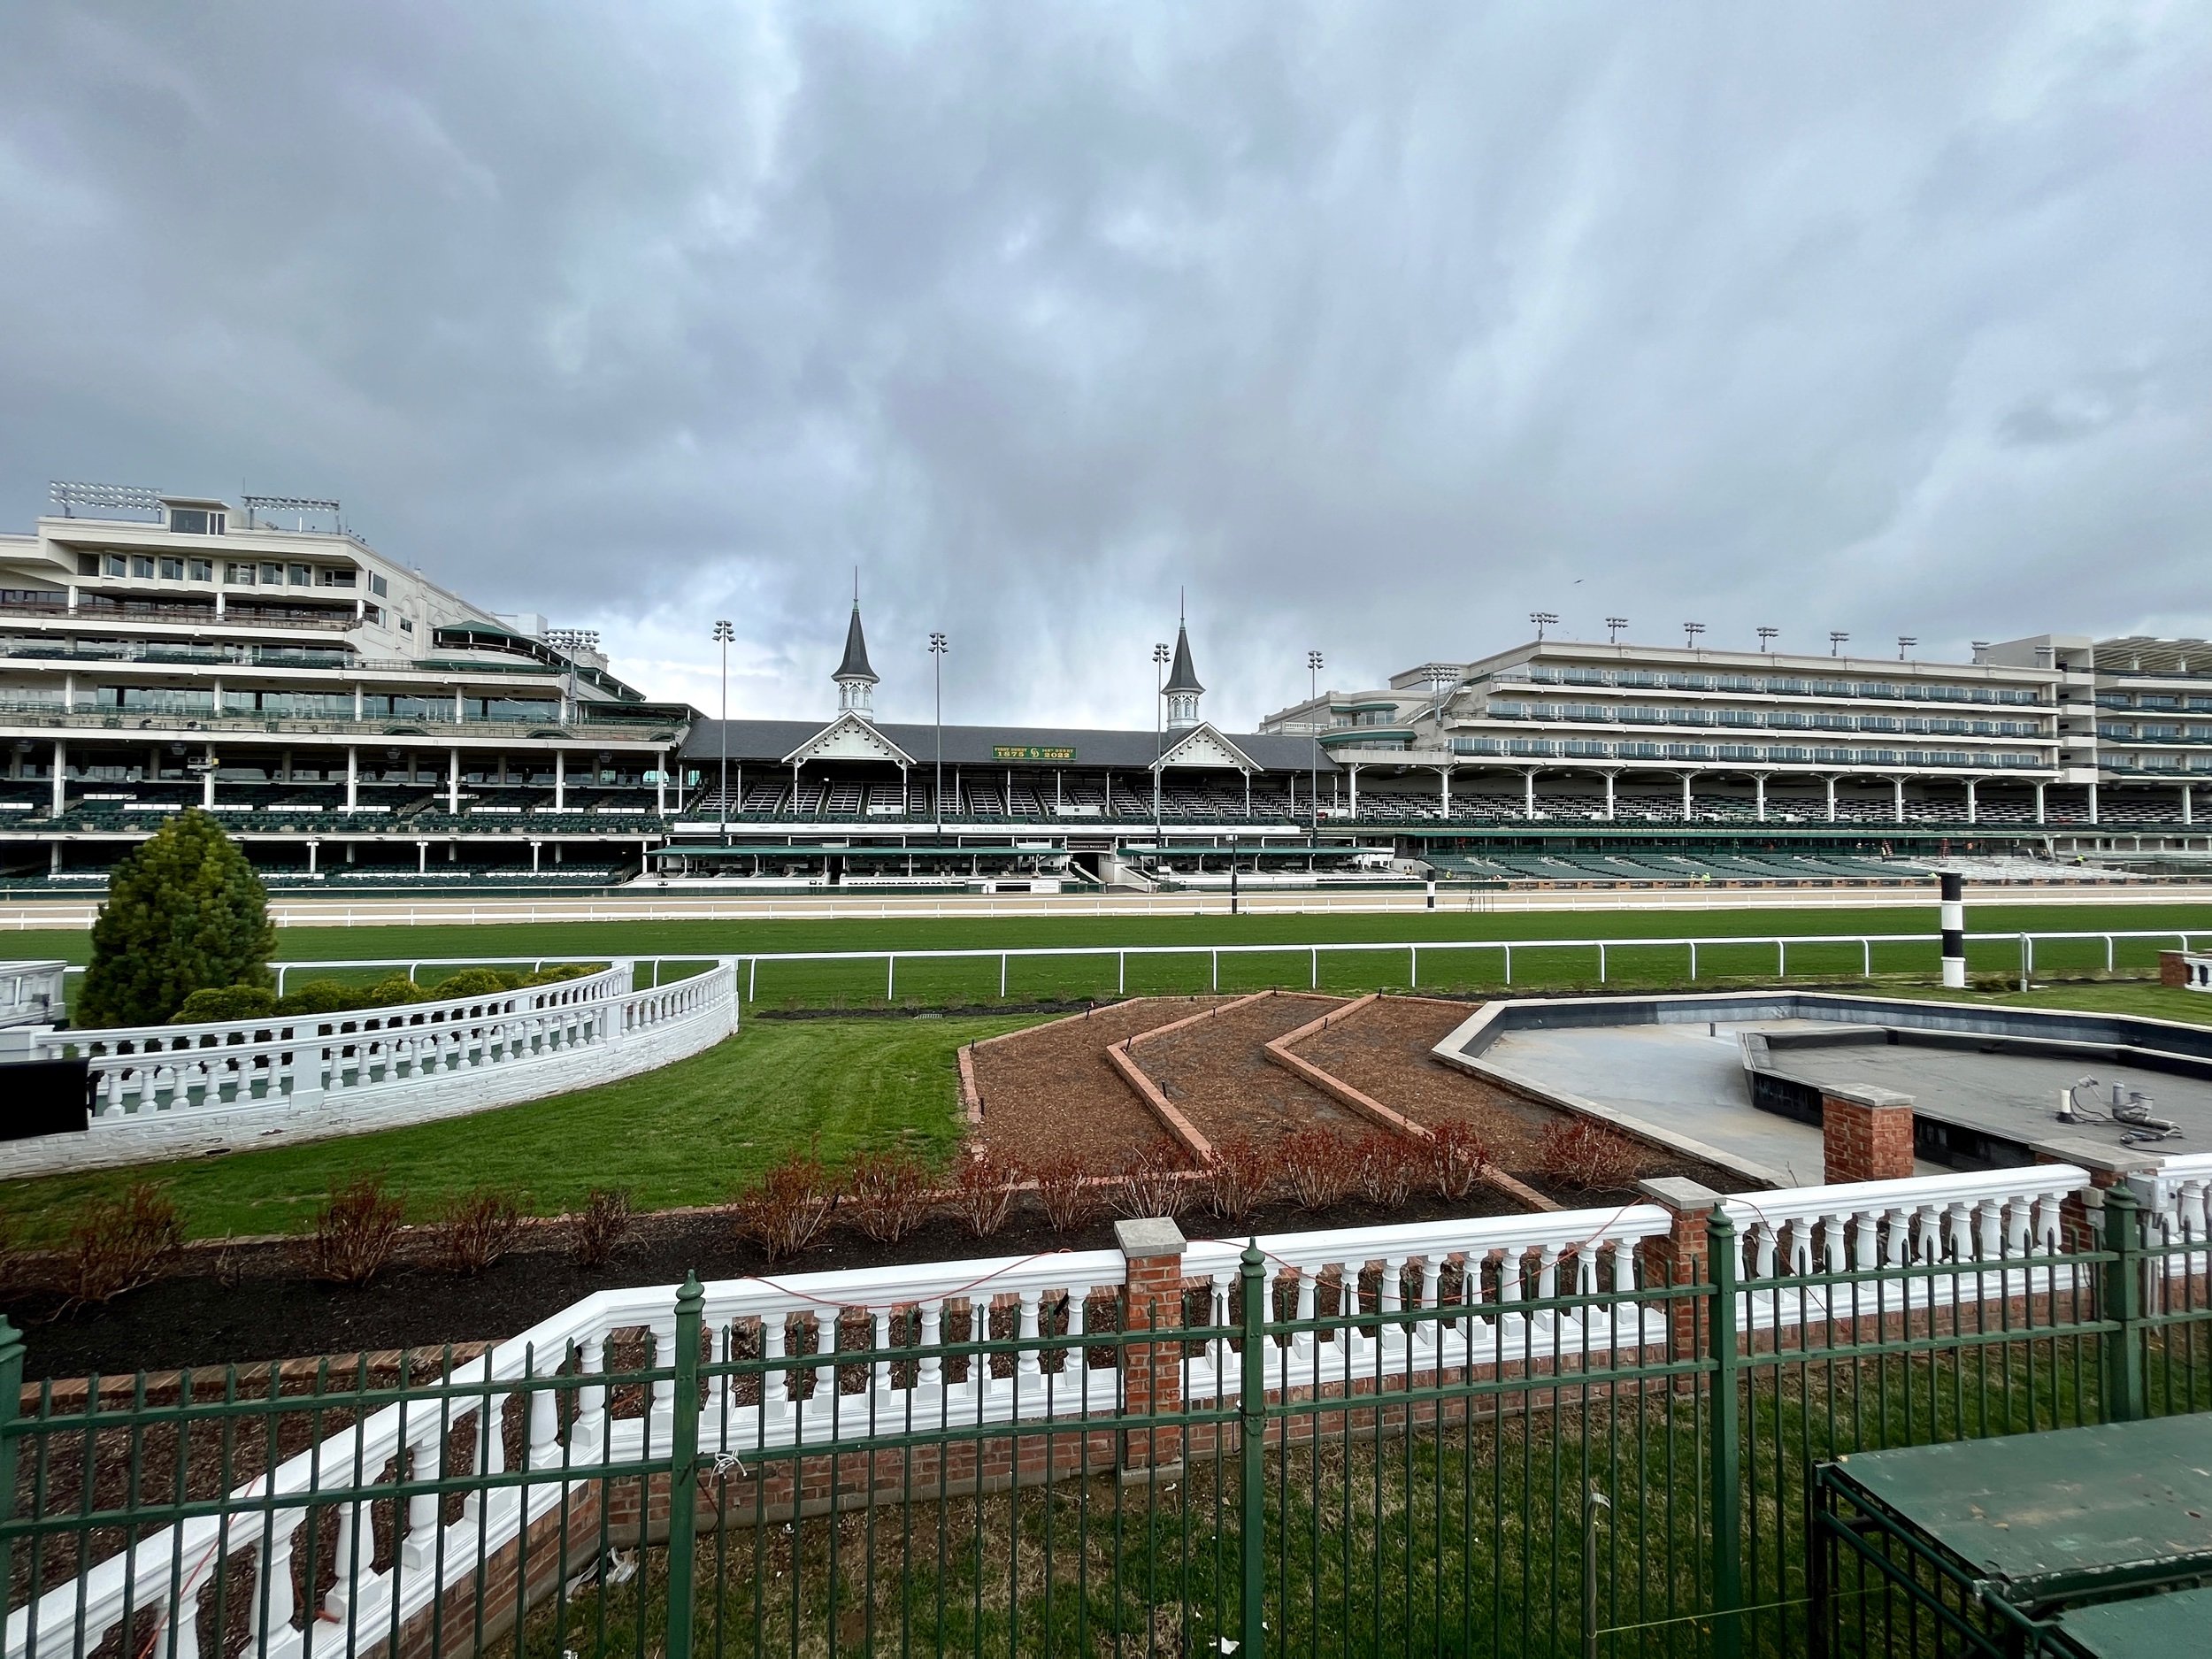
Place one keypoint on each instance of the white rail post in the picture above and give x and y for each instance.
(752, 973)
(1694, 962)
(1866, 959)
(1121, 972)
(1413, 967)
(1601, 961)
(1509, 965)
(1002, 975)
(1781, 958)
(890, 975)
(1216, 956)
(2108, 953)
(1314, 981)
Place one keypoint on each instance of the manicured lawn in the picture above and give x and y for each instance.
(2137, 996)
(855, 983)
(687, 1134)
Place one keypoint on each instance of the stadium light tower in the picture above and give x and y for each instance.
(1160, 654)
(723, 634)
(1767, 635)
(1313, 733)
(1905, 642)
(1613, 627)
(1689, 631)
(1543, 619)
(937, 674)
(1836, 642)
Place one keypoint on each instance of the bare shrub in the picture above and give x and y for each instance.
(1587, 1156)
(983, 1190)
(1068, 1194)
(120, 1244)
(888, 1195)
(357, 1231)
(1457, 1157)
(605, 1221)
(1317, 1167)
(1243, 1176)
(1151, 1184)
(1385, 1166)
(789, 1205)
(473, 1231)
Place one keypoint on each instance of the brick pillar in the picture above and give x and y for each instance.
(1680, 1256)
(1865, 1135)
(2172, 970)
(1152, 1372)
(2108, 1165)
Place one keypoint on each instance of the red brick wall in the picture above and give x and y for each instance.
(1859, 1142)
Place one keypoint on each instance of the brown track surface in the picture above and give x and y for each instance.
(1050, 1093)
(1217, 1073)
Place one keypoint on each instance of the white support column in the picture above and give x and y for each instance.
(217, 692)
(535, 848)
(1528, 793)
(1759, 786)
(61, 778)
(422, 858)
(560, 778)
(219, 602)
(1973, 810)
(1685, 795)
(1832, 797)
(312, 847)
(353, 778)
(2188, 808)
(207, 777)
(1610, 803)
(68, 693)
(453, 781)
(357, 700)
(1897, 795)
(660, 782)
(2038, 803)
(2092, 801)
(1443, 774)
(460, 708)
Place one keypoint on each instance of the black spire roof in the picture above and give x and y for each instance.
(1182, 676)
(856, 664)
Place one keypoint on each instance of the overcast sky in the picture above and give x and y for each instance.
(1377, 327)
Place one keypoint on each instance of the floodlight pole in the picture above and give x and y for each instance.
(1159, 742)
(723, 634)
(937, 674)
(1313, 772)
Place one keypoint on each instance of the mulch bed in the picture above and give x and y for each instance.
(1383, 1051)
(1050, 1093)
(259, 1306)
(1216, 1073)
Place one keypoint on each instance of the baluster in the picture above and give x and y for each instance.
(589, 1438)
(1218, 1314)
(1960, 1231)
(1762, 1237)
(662, 1334)
(2019, 1214)
(180, 1630)
(1429, 1334)
(344, 1561)
(930, 1372)
(274, 1601)
(1512, 1324)
(425, 1462)
(1029, 1361)
(1989, 1216)
(823, 1398)
(775, 1380)
(543, 1450)
(1306, 1344)
(882, 1378)
(1832, 1259)
(1079, 1364)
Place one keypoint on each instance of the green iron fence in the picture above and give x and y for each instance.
(1595, 1447)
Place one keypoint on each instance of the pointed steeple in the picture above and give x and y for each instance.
(1182, 690)
(855, 680)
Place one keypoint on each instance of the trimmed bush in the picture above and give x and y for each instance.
(357, 1231)
(320, 996)
(1318, 1167)
(787, 1208)
(118, 1244)
(474, 982)
(1457, 1157)
(1065, 1190)
(983, 1190)
(391, 991)
(1243, 1176)
(227, 1002)
(474, 1231)
(1587, 1156)
(888, 1195)
(555, 974)
(1387, 1167)
(605, 1221)
(1151, 1185)
(184, 912)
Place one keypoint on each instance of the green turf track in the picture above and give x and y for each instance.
(974, 982)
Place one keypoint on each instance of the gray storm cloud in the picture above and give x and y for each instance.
(1375, 328)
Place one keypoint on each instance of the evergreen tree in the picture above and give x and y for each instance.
(184, 912)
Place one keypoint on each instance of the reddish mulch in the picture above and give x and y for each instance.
(1383, 1051)
(1217, 1073)
(1050, 1093)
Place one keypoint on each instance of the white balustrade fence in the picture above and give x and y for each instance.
(170, 1091)
(1486, 1280)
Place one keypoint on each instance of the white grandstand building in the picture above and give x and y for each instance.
(358, 727)
(350, 720)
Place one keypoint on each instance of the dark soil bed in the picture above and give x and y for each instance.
(259, 1307)
(1050, 1093)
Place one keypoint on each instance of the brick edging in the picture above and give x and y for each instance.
(1177, 1126)
(1192, 1019)
(972, 1091)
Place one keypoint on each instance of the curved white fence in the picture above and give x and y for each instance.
(176, 1091)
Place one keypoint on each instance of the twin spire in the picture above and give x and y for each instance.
(856, 680)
